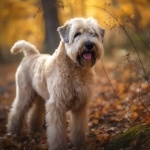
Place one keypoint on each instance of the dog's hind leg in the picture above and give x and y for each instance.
(20, 106)
(36, 115)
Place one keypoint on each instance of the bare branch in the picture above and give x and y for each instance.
(116, 95)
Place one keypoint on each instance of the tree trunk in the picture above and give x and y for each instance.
(50, 16)
(1, 56)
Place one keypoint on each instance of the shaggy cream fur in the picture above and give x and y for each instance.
(51, 85)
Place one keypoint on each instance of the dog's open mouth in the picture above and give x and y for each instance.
(87, 56)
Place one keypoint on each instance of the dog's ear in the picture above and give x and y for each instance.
(102, 33)
(64, 32)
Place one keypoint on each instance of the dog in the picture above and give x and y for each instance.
(51, 85)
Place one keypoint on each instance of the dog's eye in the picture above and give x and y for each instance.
(77, 34)
(94, 34)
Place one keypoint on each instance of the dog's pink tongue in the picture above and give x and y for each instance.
(87, 56)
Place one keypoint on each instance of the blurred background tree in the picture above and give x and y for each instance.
(50, 15)
(37, 21)
(18, 20)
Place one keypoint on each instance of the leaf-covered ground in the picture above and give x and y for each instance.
(120, 101)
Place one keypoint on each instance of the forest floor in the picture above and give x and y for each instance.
(120, 102)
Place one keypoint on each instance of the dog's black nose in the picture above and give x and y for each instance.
(89, 45)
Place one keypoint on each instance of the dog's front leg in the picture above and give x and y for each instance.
(56, 126)
(78, 126)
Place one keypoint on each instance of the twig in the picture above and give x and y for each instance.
(144, 71)
(125, 31)
(118, 98)
(141, 40)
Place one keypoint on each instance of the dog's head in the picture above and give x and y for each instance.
(83, 40)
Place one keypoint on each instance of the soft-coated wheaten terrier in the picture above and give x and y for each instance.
(51, 85)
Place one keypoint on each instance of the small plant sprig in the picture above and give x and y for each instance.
(124, 26)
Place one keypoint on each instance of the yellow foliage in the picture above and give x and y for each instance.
(19, 19)
(18, 22)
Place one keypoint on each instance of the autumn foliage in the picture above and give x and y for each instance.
(122, 85)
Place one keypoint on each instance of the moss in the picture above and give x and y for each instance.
(134, 137)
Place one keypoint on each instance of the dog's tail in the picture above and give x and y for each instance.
(26, 47)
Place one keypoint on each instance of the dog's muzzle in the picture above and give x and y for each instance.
(88, 53)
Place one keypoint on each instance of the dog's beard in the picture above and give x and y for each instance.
(87, 58)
